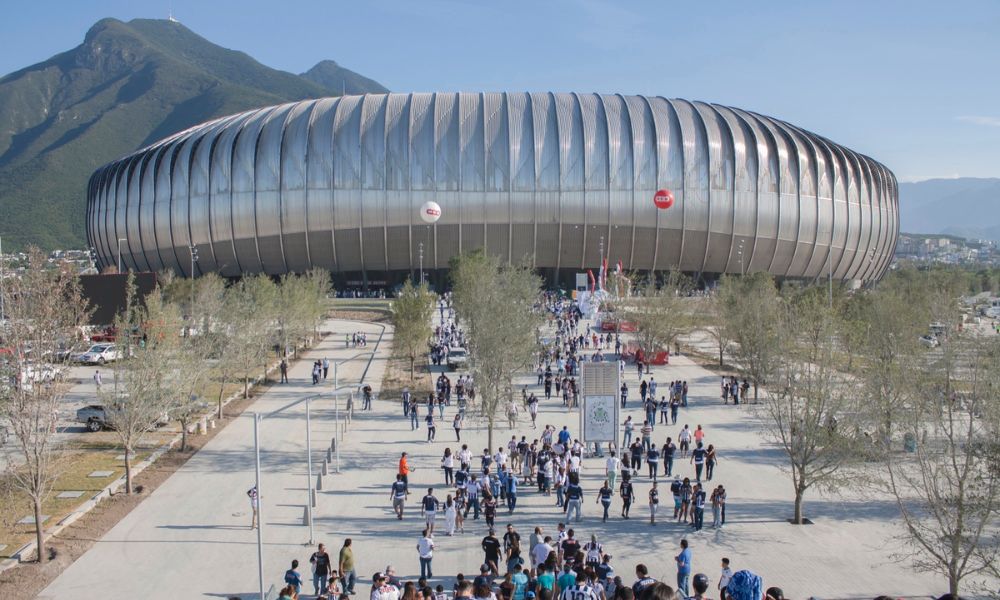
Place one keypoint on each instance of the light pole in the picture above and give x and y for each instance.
(120, 240)
(309, 460)
(194, 259)
(421, 251)
(829, 262)
(260, 504)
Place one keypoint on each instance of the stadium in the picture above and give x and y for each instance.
(552, 178)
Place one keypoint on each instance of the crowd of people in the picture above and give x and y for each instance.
(550, 464)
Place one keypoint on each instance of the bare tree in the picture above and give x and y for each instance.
(808, 409)
(246, 321)
(948, 488)
(497, 304)
(751, 314)
(411, 320)
(145, 383)
(716, 326)
(660, 313)
(44, 307)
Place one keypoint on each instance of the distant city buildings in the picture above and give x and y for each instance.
(949, 250)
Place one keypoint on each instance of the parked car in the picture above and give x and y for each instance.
(457, 358)
(98, 354)
(95, 417)
(929, 341)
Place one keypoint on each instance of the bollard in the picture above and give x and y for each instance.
(333, 443)
(314, 498)
(329, 454)
(319, 482)
(326, 467)
(305, 516)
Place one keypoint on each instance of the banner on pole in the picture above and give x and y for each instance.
(599, 407)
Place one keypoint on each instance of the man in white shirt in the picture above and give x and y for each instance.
(382, 589)
(541, 551)
(464, 456)
(611, 467)
(425, 548)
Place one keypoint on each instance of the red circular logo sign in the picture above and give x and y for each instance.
(663, 199)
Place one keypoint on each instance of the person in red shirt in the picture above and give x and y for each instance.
(404, 472)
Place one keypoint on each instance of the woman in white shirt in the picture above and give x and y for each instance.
(449, 514)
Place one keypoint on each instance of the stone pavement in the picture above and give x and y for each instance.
(190, 538)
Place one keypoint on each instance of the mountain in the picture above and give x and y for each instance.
(968, 207)
(330, 75)
(127, 85)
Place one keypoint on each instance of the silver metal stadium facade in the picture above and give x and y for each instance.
(337, 183)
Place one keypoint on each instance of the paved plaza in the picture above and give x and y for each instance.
(191, 538)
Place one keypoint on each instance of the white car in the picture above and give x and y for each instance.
(98, 354)
(929, 341)
(457, 358)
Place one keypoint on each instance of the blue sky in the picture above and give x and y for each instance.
(913, 84)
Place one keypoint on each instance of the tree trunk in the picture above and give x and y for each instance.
(721, 363)
(39, 538)
(412, 361)
(128, 471)
(222, 391)
(797, 519)
(184, 436)
(246, 386)
(489, 429)
(754, 392)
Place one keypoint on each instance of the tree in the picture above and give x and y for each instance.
(751, 312)
(660, 313)
(808, 409)
(716, 326)
(44, 307)
(497, 304)
(145, 382)
(948, 488)
(411, 319)
(246, 321)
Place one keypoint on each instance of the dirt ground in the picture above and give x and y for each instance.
(27, 580)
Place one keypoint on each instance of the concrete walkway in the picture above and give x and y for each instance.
(191, 540)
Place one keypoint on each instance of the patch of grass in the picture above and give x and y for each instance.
(74, 466)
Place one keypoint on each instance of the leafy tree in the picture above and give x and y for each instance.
(44, 308)
(751, 314)
(948, 488)
(497, 304)
(807, 409)
(660, 313)
(145, 383)
(411, 319)
(247, 322)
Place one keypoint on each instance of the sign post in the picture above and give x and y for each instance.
(599, 406)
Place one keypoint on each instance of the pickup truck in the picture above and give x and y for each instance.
(94, 416)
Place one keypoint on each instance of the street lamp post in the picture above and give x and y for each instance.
(260, 504)
(421, 251)
(194, 259)
(120, 240)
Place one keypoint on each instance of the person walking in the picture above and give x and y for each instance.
(629, 426)
(653, 461)
(428, 509)
(611, 467)
(293, 578)
(710, 459)
(654, 503)
(398, 496)
(716, 508)
(511, 490)
(698, 500)
(698, 458)
(326, 367)
(667, 450)
(491, 550)
(627, 494)
(425, 550)
(283, 368)
(345, 562)
(456, 424)
(574, 499)
(448, 464)
(683, 561)
(414, 416)
(431, 427)
(320, 562)
(404, 472)
(450, 513)
(98, 380)
(604, 498)
(252, 495)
